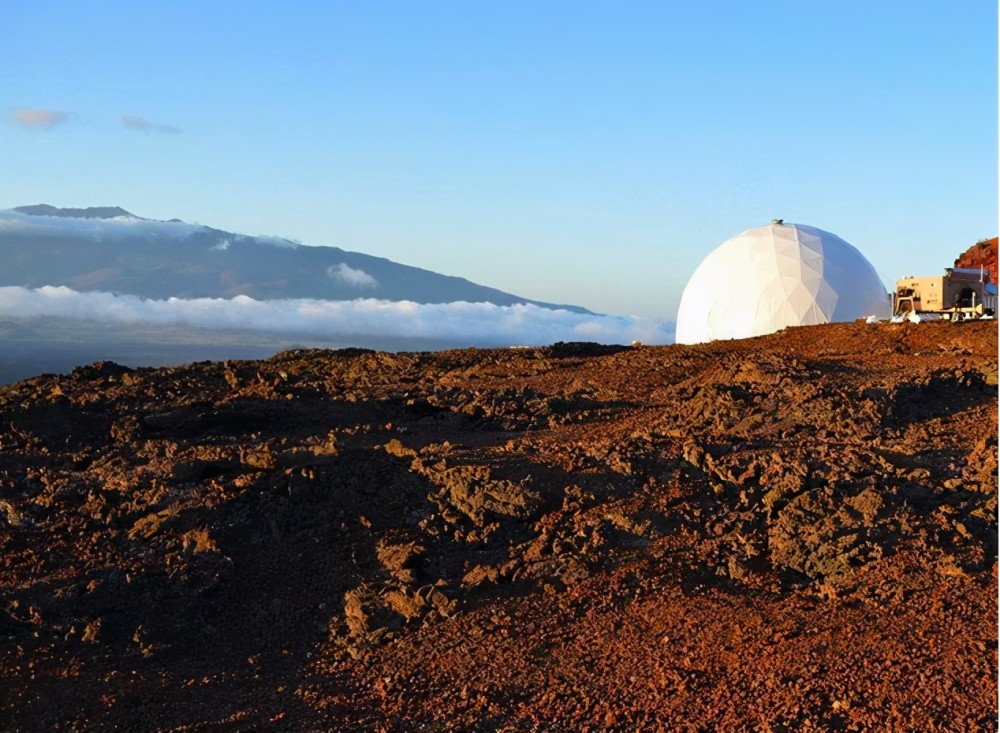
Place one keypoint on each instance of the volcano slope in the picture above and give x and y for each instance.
(795, 532)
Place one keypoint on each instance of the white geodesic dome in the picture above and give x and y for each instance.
(775, 276)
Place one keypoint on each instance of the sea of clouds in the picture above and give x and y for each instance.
(460, 322)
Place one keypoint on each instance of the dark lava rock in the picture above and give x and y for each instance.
(796, 532)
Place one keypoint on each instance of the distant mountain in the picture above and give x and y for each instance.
(94, 212)
(110, 249)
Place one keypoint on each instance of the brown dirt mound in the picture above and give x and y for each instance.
(789, 533)
(982, 254)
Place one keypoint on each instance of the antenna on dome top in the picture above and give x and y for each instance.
(777, 221)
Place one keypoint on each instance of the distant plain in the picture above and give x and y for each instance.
(44, 345)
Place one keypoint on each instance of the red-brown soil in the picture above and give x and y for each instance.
(789, 533)
(982, 254)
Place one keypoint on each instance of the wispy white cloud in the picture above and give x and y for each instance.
(141, 125)
(37, 118)
(355, 277)
(468, 323)
(276, 241)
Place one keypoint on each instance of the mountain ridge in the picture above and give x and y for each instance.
(81, 248)
(90, 212)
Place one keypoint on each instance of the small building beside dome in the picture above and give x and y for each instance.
(775, 276)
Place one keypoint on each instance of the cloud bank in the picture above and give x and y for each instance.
(140, 125)
(37, 118)
(464, 323)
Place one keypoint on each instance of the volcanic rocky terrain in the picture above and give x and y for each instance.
(981, 254)
(790, 533)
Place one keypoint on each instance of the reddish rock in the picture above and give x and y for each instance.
(794, 532)
(981, 254)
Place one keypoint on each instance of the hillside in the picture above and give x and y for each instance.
(109, 249)
(790, 533)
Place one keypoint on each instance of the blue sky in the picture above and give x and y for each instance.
(581, 152)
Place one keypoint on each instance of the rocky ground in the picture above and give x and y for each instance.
(982, 254)
(790, 533)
